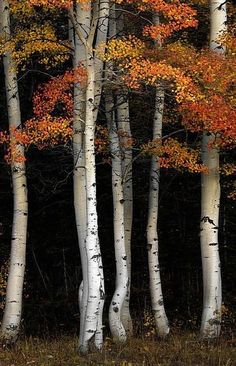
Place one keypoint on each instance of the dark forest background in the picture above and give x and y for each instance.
(53, 264)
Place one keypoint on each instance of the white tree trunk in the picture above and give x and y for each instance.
(83, 18)
(13, 308)
(91, 292)
(122, 280)
(161, 321)
(126, 164)
(92, 326)
(210, 204)
(101, 37)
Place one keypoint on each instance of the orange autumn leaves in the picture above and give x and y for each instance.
(172, 154)
(58, 90)
(46, 129)
(176, 14)
(203, 83)
(63, 4)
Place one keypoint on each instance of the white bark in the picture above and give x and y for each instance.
(122, 281)
(13, 308)
(83, 18)
(126, 164)
(161, 321)
(101, 38)
(92, 326)
(210, 204)
(91, 291)
(212, 294)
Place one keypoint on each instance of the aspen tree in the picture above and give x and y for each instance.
(161, 321)
(210, 203)
(125, 142)
(117, 328)
(88, 22)
(13, 309)
(83, 19)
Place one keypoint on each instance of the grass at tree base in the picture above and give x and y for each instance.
(179, 349)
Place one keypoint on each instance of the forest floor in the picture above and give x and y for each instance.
(180, 349)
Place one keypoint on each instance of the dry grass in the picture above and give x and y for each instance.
(178, 350)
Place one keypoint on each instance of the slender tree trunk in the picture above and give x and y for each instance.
(101, 38)
(161, 321)
(91, 292)
(92, 326)
(210, 205)
(13, 308)
(83, 19)
(122, 280)
(126, 165)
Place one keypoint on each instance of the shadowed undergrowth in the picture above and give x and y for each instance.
(180, 349)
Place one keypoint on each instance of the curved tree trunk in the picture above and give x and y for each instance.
(83, 18)
(210, 205)
(122, 281)
(91, 292)
(13, 308)
(92, 326)
(126, 165)
(161, 321)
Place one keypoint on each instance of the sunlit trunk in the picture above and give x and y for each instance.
(91, 292)
(122, 282)
(210, 204)
(161, 321)
(13, 308)
(92, 325)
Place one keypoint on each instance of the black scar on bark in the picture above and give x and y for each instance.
(212, 244)
(116, 309)
(207, 218)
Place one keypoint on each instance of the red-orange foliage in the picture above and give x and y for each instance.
(172, 154)
(59, 89)
(178, 16)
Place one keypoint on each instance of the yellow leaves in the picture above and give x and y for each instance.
(41, 41)
(56, 3)
(47, 131)
(228, 169)
(172, 154)
(124, 48)
(21, 7)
